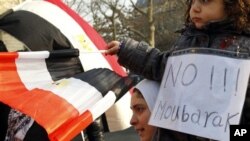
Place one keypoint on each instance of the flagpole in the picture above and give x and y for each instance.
(93, 51)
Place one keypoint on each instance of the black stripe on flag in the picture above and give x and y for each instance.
(105, 80)
(64, 63)
(35, 32)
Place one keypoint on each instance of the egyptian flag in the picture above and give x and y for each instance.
(51, 25)
(63, 107)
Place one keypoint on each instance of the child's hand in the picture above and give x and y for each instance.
(112, 48)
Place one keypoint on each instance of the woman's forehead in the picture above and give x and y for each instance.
(137, 93)
(135, 99)
(137, 102)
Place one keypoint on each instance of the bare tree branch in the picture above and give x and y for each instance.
(138, 9)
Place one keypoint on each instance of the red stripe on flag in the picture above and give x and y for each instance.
(48, 109)
(8, 55)
(92, 34)
(57, 116)
(10, 82)
(69, 131)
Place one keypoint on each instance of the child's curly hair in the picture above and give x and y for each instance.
(238, 11)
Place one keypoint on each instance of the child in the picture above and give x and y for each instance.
(213, 24)
(142, 104)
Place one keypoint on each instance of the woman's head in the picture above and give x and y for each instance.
(142, 103)
(202, 12)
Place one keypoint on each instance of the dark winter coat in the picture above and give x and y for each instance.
(139, 58)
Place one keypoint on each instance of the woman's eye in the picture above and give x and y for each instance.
(139, 109)
(204, 1)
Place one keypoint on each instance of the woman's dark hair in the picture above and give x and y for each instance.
(238, 11)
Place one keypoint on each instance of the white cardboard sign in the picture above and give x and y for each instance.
(201, 95)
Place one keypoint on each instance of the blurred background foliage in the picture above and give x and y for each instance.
(153, 21)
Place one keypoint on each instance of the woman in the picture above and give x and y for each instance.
(142, 104)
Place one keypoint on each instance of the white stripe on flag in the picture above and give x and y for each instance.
(70, 28)
(33, 55)
(76, 92)
(32, 69)
(103, 105)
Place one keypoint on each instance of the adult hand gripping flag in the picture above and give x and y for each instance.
(63, 107)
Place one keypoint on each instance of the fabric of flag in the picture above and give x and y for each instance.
(51, 25)
(61, 28)
(63, 107)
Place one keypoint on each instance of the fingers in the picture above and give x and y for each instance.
(112, 51)
(113, 44)
(112, 48)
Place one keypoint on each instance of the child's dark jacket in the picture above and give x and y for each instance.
(150, 62)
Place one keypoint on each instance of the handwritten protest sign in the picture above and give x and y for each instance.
(202, 94)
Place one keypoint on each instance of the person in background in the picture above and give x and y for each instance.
(213, 24)
(142, 104)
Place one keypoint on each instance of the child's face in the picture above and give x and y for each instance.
(204, 11)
